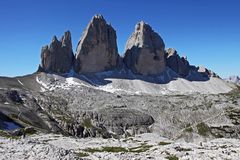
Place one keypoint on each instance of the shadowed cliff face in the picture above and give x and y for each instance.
(7, 123)
(58, 56)
(97, 49)
(176, 63)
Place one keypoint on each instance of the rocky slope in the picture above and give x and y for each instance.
(75, 107)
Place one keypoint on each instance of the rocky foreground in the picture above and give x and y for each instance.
(143, 146)
(71, 118)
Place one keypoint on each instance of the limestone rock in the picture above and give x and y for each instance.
(144, 53)
(206, 72)
(97, 49)
(58, 56)
(176, 63)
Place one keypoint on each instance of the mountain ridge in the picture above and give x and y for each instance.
(97, 51)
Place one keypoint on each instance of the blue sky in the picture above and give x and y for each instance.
(206, 31)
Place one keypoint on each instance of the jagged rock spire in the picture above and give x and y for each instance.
(178, 64)
(58, 56)
(97, 49)
(145, 51)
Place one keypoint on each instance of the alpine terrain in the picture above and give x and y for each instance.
(150, 103)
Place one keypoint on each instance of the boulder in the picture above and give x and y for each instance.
(144, 53)
(97, 49)
(58, 56)
(178, 64)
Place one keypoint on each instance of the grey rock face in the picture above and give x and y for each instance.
(206, 72)
(58, 56)
(145, 51)
(97, 49)
(126, 121)
(176, 63)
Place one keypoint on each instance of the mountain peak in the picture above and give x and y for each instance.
(97, 49)
(57, 57)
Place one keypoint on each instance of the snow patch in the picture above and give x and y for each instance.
(63, 83)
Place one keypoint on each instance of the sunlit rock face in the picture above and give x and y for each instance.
(58, 56)
(144, 53)
(97, 49)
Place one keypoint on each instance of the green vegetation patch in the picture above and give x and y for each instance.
(114, 149)
(106, 149)
(202, 129)
(87, 123)
(142, 148)
(81, 154)
(234, 94)
(164, 143)
(8, 135)
(172, 157)
(188, 129)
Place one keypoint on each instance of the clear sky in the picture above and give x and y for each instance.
(206, 31)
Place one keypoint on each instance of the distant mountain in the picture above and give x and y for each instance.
(233, 79)
(97, 51)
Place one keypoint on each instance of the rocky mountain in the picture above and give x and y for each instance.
(96, 104)
(58, 56)
(97, 49)
(233, 79)
(145, 51)
(176, 63)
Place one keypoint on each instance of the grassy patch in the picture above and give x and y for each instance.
(142, 148)
(188, 129)
(81, 154)
(172, 157)
(29, 131)
(106, 149)
(164, 143)
(8, 135)
(87, 123)
(234, 94)
(92, 150)
(202, 129)
(114, 149)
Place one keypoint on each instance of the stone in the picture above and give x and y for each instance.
(144, 52)
(58, 56)
(178, 64)
(206, 72)
(121, 120)
(97, 49)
